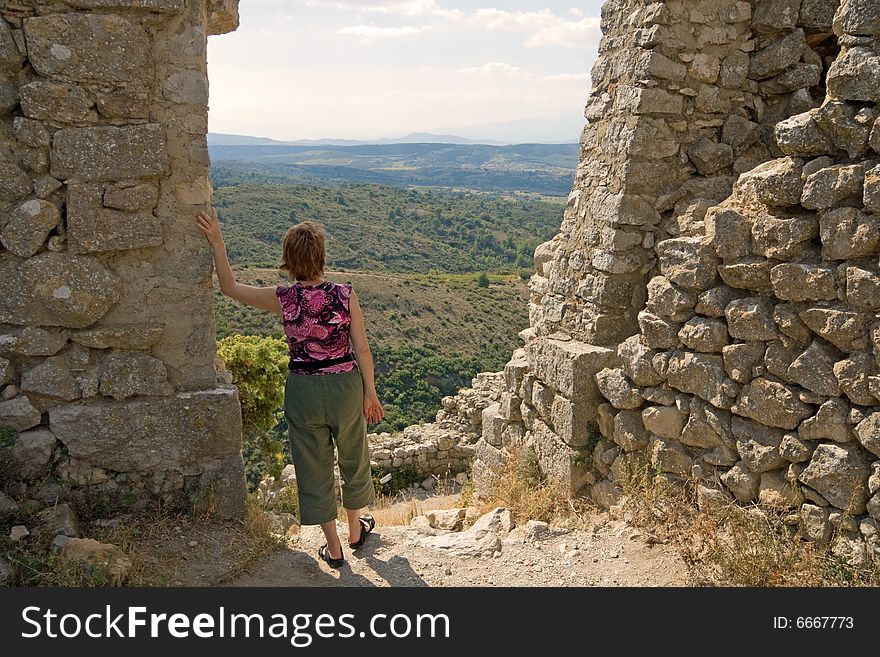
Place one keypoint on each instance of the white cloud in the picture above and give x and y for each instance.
(374, 31)
(493, 69)
(545, 27)
(566, 77)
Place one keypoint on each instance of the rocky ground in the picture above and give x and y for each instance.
(443, 545)
(607, 552)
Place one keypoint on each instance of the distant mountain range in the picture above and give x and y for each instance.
(222, 139)
(538, 168)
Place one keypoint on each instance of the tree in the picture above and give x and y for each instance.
(483, 279)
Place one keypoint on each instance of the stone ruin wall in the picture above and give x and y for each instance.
(107, 372)
(446, 446)
(709, 309)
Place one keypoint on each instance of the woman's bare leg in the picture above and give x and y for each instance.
(354, 524)
(334, 547)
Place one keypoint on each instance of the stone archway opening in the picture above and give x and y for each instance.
(706, 307)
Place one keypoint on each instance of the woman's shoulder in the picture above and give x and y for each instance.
(285, 291)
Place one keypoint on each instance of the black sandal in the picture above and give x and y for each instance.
(368, 523)
(324, 555)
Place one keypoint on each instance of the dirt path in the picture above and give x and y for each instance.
(610, 553)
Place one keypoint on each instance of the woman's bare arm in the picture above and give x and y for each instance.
(262, 298)
(372, 406)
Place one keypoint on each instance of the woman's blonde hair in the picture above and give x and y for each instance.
(303, 251)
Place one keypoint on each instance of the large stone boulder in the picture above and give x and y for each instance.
(19, 413)
(629, 432)
(126, 374)
(94, 48)
(777, 56)
(758, 446)
(803, 282)
(29, 226)
(848, 233)
(56, 289)
(855, 75)
(868, 433)
(698, 374)
(840, 474)
(52, 378)
(120, 336)
(858, 17)
(689, 262)
(569, 366)
(93, 228)
(108, 152)
(845, 329)
(706, 335)
(751, 318)
(141, 435)
(30, 454)
(635, 359)
(483, 538)
(664, 421)
(814, 369)
(741, 482)
(772, 403)
(617, 389)
(830, 423)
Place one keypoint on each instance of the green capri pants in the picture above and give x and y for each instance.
(323, 410)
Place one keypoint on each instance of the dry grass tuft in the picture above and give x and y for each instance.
(522, 488)
(733, 545)
(388, 512)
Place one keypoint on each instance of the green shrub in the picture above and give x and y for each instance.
(258, 366)
(483, 279)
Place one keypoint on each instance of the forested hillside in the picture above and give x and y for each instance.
(389, 229)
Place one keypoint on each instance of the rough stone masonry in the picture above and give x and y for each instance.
(709, 309)
(107, 371)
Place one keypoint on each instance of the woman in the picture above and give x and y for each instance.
(330, 393)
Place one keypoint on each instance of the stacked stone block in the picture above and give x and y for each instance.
(106, 323)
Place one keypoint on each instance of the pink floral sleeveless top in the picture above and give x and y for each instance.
(317, 322)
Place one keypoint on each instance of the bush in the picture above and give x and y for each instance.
(483, 279)
(258, 366)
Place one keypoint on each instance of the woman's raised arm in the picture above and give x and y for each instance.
(262, 298)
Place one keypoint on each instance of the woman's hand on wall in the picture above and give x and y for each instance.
(210, 226)
(373, 410)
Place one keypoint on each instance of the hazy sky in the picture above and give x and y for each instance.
(362, 70)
